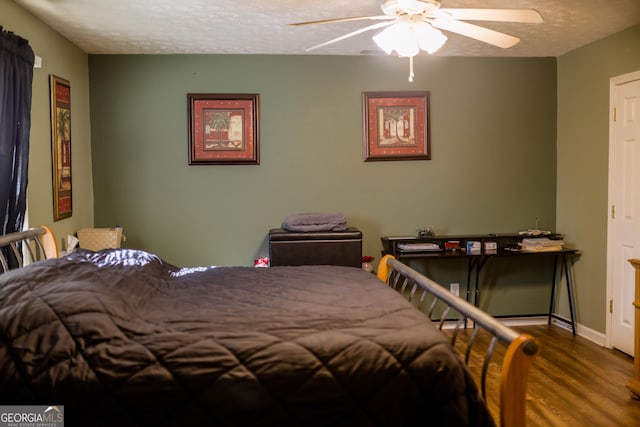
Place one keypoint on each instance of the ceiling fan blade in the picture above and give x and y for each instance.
(476, 32)
(525, 16)
(351, 34)
(355, 18)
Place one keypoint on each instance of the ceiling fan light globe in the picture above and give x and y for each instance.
(398, 37)
(429, 38)
(408, 49)
(395, 37)
(408, 36)
(384, 42)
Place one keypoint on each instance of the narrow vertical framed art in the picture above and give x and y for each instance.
(223, 129)
(60, 90)
(396, 126)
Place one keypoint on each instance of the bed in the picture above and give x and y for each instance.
(120, 337)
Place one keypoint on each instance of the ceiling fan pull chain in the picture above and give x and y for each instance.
(411, 69)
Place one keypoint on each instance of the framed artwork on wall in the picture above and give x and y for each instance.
(223, 129)
(396, 126)
(60, 91)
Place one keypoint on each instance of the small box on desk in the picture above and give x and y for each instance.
(490, 247)
(315, 247)
(474, 247)
(452, 245)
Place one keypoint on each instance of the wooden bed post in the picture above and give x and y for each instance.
(49, 244)
(513, 386)
(383, 268)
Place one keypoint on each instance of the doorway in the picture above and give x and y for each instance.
(623, 231)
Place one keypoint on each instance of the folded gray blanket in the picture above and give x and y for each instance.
(315, 222)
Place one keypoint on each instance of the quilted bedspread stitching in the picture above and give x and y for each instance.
(196, 395)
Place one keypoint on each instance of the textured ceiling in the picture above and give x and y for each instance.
(261, 26)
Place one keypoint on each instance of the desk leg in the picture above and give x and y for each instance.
(469, 270)
(470, 267)
(479, 263)
(569, 280)
(553, 287)
(474, 263)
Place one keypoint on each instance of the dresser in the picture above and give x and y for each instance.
(634, 382)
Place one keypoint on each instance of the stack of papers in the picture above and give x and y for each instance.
(418, 247)
(541, 244)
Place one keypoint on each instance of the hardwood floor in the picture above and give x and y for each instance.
(573, 382)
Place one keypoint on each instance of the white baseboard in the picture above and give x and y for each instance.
(509, 321)
(524, 321)
(581, 330)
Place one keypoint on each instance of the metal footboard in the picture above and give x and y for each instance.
(20, 248)
(445, 307)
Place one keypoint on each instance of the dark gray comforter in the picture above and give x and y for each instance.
(121, 338)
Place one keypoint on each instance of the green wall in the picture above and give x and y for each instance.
(583, 160)
(63, 59)
(493, 167)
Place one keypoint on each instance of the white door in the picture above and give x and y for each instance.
(624, 208)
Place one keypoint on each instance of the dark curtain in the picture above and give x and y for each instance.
(16, 76)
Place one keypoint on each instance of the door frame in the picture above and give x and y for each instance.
(614, 82)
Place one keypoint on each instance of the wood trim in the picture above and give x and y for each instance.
(49, 244)
(634, 382)
(518, 359)
(383, 268)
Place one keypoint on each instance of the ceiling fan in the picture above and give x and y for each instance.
(413, 25)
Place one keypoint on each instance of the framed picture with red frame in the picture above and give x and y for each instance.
(396, 126)
(60, 90)
(223, 129)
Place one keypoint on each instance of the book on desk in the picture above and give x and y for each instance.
(538, 244)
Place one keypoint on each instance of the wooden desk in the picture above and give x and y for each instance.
(506, 243)
(634, 382)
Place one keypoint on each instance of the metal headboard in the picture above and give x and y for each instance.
(521, 348)
(21, 247)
